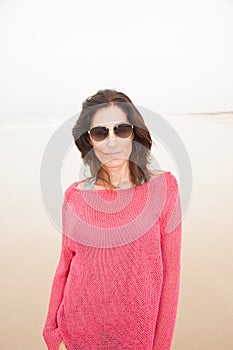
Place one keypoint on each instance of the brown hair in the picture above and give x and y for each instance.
(139, 157)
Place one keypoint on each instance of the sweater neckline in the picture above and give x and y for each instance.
(128, 189)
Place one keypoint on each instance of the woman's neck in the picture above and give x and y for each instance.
(118, 177)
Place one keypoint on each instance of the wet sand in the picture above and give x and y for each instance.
(30, 242)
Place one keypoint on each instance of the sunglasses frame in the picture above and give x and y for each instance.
(114, 129)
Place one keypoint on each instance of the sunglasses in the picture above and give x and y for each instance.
(99, 133)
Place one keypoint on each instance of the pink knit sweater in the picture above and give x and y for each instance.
(117, 282)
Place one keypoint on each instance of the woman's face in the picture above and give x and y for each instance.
(113, 151)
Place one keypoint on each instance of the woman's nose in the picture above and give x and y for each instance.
(111, 133)
(111, 138)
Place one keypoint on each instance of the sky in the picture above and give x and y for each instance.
(171, 56)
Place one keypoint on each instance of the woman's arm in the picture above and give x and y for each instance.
(51, 332)
(171, 241)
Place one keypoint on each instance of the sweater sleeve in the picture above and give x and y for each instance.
(51, 332)
(171, 241)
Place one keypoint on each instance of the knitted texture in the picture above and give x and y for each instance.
(120, 291)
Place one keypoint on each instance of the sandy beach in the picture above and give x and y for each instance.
(30, 242)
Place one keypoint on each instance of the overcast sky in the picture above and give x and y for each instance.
(172, 56)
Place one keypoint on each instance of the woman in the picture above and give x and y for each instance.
(117, 282)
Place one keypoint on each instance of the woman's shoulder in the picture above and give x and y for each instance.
(169, 177)
(73, 187)
(155, 172)
(81, 185)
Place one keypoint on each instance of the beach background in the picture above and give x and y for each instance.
(30, 242)
(173, 57)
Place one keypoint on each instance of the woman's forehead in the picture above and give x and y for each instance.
(110, 115)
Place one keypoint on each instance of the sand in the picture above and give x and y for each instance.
(30, 242)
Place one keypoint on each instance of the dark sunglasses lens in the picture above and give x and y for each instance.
(123, 130)
(99, 133)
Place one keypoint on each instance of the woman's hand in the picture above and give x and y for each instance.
(62, 346)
